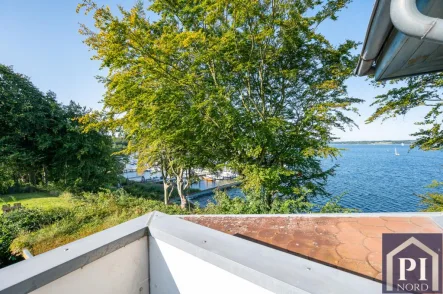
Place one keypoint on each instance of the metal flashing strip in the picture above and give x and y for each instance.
(31, 274)
(438, 219)
(268, 268)
(314, 215)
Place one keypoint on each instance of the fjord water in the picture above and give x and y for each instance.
(376, 180)
(372, 176)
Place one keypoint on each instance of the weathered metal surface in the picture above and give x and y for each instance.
(400, 55)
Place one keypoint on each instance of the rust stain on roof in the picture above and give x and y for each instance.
(348, 243)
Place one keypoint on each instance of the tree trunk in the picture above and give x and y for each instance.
(32, 178)
(166, 185)
(45, 176)
(183, 200)
(188, 183)
(165, 191)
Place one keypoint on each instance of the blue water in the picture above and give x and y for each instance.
(375, 180)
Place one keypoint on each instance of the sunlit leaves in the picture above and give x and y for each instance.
(250, 84)
(424, 91)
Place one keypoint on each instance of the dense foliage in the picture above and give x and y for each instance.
(90, 213)
(251, 205)
(43, 143)
(24, 220)
(249, 84)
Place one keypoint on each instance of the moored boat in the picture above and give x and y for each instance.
(209, 178)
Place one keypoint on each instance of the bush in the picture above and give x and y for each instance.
(433, 201)
(333, 206)
(91, 213)
(149, 191)
(24, 220)
(252, 204)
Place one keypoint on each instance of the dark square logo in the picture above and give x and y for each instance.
(412, 263)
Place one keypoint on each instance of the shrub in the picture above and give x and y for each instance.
(150, 191)
(91, 213)
(253, 205)
(20, 188)
(334, 206)
(433, 201)
(24, 220)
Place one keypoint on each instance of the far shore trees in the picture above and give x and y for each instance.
(247, 83)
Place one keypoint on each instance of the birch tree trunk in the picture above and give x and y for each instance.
(180, 191)
(165, 180)
(165, 191)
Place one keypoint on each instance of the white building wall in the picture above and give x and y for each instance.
(123, 271)
(175, 271)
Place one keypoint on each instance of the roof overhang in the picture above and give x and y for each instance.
(404, 38)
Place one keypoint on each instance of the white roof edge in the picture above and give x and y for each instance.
(314, 215)
(378, 29)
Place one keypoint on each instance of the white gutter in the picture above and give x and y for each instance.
(409, 20)
(378, 29)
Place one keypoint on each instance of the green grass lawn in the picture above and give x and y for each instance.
(36, 200)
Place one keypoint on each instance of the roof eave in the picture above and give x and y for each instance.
(378, 30)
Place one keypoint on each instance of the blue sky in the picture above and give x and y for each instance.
(41, 40)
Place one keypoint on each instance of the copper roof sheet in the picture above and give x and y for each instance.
(348, 243)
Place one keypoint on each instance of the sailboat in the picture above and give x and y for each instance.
(402, 144)
(396, 153)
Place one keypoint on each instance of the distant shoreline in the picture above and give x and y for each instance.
(381, 142)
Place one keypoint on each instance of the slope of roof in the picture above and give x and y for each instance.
(351, 243)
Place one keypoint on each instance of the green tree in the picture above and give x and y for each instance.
(247, 83)
(424, 91)
(6, 177)
(42, 141)
(151, 96)
(27, 119)
(83, 161)
(414, 92)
